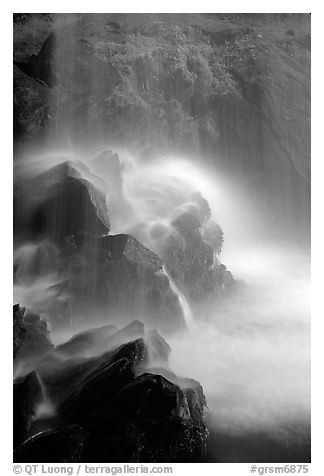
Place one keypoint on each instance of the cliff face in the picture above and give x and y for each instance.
(234, 89)
(174, 81)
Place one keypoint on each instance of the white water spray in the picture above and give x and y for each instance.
(185, 306)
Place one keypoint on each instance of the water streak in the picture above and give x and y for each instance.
(185, 306)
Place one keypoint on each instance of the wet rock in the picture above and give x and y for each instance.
(151, 421)
(149, 418)
(63, 374)
(103, 378)
(88, 343)
(101, 273)
(31, 105)
(94, 342)
(71, 89)
(62, 445)
(191, 257)
(117, 274)
(62, 191)
(30, 338)
(18, 330)
(26, 392)
(109, 408)
(41, 66)
(227, 78)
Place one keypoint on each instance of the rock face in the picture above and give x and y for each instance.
(199, 84)
(191, 256)
(18, 330)
(109, 408)
(62, 445)
(26, 393)
(64, 203)
(63, 213)
(30, 337)
(119, 276)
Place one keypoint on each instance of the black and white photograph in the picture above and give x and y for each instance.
(161, 240)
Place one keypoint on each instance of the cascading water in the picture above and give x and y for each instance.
(108, 232)
(185, 306)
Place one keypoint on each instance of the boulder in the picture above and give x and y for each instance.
(62, 217)
(109, 407)
(58, 203)
(18, 330)
(149, 418)
(94, 342)
(151, 421)
(27, 392)
(61, 445)
(116, 274)
(31, 339)
(31, 105)
(87, 343)
(191, 256)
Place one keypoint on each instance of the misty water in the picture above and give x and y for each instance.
(250, 348)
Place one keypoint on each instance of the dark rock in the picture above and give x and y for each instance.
(18, 330)
(94, 272)
(150, 421)
(70, 88)
(119, 412)
(64, 375)
(94, 342)
(87, 343)
(149, 418)
(41, 65)
(65, 203)
(117, 247)
(30, 337)
(31, 105)
(62, 445)
(117, 274)
(191, 258)
(26, 392)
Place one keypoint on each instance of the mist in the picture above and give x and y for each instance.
(251, 349)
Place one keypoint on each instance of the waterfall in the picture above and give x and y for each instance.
(185, 306)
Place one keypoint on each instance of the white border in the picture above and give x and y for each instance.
(317, 197)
